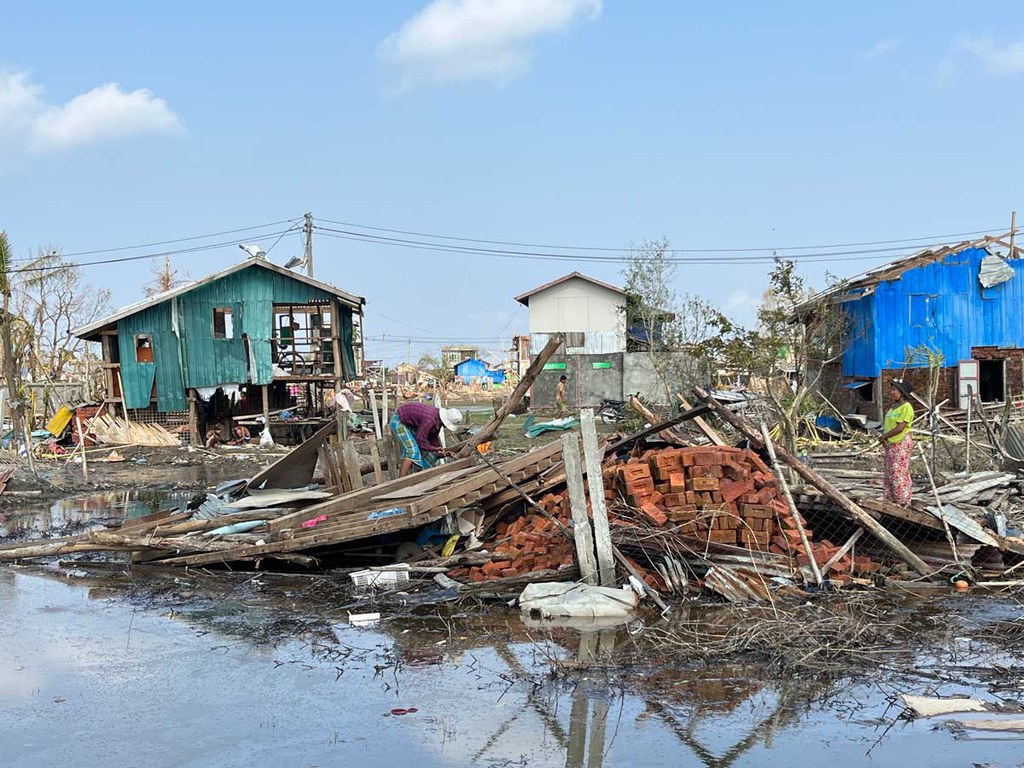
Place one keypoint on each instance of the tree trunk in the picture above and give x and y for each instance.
(11, 378)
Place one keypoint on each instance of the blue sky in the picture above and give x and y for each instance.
(573, 122)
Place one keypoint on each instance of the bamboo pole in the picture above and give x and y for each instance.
(81, 445)
(818, 577)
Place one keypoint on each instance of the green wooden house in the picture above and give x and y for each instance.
(257, 333)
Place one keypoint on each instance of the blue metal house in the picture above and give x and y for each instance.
(964, 304)
(470, 370)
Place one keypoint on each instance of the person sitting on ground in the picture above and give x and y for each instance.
(897, 446)
(214, 437)
(240, 435)
(417, 427)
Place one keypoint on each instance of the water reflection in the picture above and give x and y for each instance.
(588, 716)
(75, 513)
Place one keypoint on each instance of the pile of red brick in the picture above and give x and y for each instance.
(719, 494)
(528, 544)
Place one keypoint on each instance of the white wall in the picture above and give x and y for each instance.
(579, 306)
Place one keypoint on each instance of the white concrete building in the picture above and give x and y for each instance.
(589, 312)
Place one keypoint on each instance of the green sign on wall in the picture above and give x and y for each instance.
(554, 366)
(598, 366)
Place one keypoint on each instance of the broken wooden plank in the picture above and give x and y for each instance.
(797, 519)
(706, 429)
(294, 469)
(598, 504)
(582, 536)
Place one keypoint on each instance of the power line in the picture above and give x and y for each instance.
(176, 240)
(763, 249)
(825, 257)
(123, 259)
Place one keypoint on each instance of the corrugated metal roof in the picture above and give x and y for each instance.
(894, 269)
(349, 299)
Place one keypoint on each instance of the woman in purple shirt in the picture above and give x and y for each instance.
(417, 427)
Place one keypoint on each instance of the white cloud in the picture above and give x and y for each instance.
(1006, 59)
(29, 124)
(882, 48)
(454, 40)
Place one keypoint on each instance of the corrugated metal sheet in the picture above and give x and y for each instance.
(165, 369)
(202, 360)
(594, 343)
(941, 305)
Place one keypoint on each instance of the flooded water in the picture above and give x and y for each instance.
(76, 514)
(249, 670)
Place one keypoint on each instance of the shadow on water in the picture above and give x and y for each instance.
(75, 514)
(271, 662)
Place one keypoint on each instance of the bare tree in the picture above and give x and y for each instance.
(682, 335)
(51, 296)
(165, 278)
(791, 347)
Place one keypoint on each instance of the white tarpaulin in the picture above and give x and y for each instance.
(571, 600)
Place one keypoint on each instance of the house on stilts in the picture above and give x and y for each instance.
(251, 340)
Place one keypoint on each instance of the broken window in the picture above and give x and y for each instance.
(143, 348)
(223, 323)
(575, 339)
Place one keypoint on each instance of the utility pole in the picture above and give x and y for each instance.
(1013, 231)
(309, 244)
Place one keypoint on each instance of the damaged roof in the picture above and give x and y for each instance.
(346, 298)
(895, 269)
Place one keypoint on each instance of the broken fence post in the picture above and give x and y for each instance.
(578, 503)
(595, 483)
(742, 426)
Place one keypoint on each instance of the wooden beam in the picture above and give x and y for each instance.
(595, 483)
(581, 532)
(708, 431)
(489, 429)
(873, 526)
(666, 434)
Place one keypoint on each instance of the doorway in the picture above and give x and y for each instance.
(992, 380)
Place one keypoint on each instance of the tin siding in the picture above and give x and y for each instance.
(951, 315)
(165, 369)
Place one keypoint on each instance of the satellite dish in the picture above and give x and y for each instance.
(295, 261)
(253, 250)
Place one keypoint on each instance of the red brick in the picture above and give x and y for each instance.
(654, 514)
(722, 536)
(677, 482)
(703, 484)
(707, 459)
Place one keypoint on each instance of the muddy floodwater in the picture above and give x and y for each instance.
(99, 670)
(102, 665)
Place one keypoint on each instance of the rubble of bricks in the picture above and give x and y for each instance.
(714, 493)
(529, 544)
(728, 496)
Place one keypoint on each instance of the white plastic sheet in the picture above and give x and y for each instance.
(571, 600)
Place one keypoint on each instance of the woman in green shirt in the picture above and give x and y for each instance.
(897, 446)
